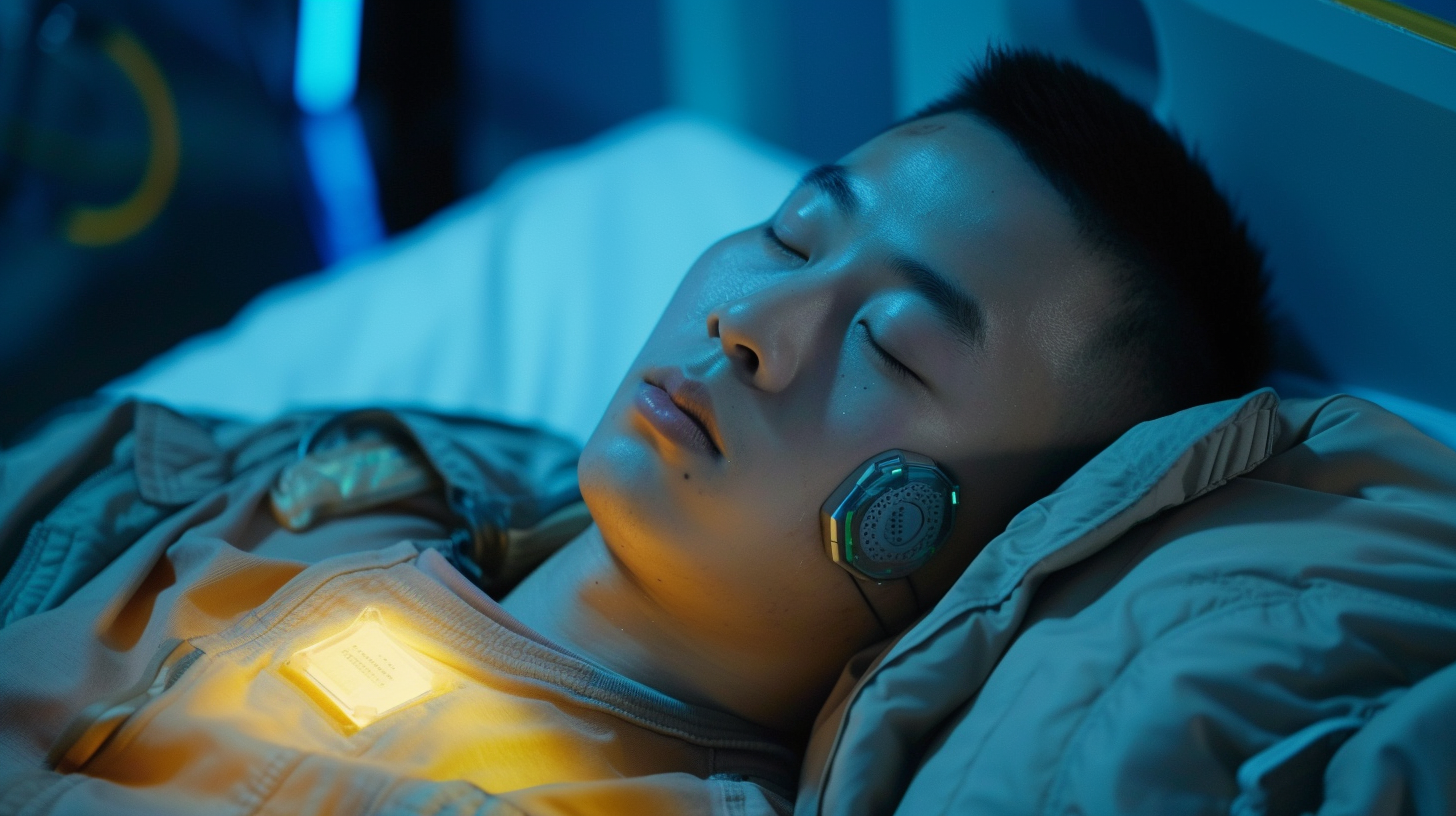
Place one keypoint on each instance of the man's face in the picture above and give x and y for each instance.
(928, 293)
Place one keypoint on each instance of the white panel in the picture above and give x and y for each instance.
(527, 302)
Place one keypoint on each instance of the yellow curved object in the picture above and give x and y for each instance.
(100, 226)
(1418, 23)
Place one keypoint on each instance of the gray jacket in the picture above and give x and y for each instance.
(1242, 608)
(99, 476)
(175, 644)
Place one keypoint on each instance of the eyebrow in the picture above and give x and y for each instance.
(833, 180)
(957, 308)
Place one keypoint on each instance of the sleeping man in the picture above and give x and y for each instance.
(871, 525)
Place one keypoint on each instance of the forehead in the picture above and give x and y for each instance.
(956, 193)
(953, 173)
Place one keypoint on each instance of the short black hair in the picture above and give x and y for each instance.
(1194, 326)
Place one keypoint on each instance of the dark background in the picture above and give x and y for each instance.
(449, 93)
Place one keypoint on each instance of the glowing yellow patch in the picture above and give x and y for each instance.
(362, 673)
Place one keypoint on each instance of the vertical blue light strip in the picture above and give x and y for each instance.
(326, 65)
(343, 176)
(325, 75)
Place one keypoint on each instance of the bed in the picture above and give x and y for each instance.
(528, 301)
(1322, 120)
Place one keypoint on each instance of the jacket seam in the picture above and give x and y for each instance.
(272, 777)
(28, 559)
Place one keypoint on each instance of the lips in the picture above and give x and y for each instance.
(680, 409)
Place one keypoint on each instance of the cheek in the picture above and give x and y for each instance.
(742, 558)
(750, 545)
(749, 535)
(866, 410)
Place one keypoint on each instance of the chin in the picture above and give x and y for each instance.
(622, 482)
(657, 525)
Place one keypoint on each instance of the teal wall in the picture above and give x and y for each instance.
(1334, 134)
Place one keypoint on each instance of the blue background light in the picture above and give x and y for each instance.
(338, 161)
(327, 63)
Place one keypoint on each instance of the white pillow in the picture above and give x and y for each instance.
(528, 301)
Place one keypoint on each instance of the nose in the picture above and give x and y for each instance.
(770, 334)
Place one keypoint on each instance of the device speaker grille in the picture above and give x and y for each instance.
(901, 523)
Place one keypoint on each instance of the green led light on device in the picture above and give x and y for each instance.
(889, 516)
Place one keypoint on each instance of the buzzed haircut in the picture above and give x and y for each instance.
(1193, 325)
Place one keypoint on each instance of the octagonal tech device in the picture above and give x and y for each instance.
(890, 516)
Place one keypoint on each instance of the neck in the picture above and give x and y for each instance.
(585, 600)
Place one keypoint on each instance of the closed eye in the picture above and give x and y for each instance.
(886, 357)
(778, 243)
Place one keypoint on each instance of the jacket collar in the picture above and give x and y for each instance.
(855, 762)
